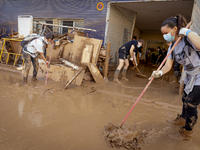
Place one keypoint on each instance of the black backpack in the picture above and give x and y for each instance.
(28, 39)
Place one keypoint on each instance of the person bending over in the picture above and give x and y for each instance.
(30, 54)
(129, 48)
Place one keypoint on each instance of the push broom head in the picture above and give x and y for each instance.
(141, 75)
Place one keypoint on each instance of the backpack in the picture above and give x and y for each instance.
(28, 39)
(187, 43)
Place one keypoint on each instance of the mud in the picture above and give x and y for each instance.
(131, 139)
(123, 137)
(38, 117)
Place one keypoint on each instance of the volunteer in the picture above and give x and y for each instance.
(30, 54)
(129, 48)
(185, 53)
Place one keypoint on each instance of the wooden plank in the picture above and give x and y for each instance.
(79, 45)
(95, 73)
(96, 50)
(57, 73)
(65, 55)
(107, 61)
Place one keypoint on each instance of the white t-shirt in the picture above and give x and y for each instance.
(35, 46)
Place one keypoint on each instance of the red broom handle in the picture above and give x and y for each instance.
(178, 40)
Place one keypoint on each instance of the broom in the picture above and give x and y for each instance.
(151, 78)
(138, 73)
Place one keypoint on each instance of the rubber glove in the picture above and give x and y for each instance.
(132, 60)
(48, 64)
(76, 67)
(184, 32)
(156, 74)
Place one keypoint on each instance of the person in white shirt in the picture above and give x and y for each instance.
(30, 54)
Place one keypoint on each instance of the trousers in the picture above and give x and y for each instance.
(27, 61)
(189, 110)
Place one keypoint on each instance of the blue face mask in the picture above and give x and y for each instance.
(168, 37)
(138, 46)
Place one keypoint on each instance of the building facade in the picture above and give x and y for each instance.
(115, 21)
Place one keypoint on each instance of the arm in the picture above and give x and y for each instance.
(132, 53)
(43, 57)
(134, 58)
(194, 38)
(167, 67)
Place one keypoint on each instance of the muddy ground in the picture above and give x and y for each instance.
(38, 117)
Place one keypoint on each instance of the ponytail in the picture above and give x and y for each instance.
(178, 21)
(181, 21)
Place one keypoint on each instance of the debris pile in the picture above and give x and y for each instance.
(74, 47)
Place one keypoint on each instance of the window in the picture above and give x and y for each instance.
(50, 27)
(66, 23)
(57, 21)
(72, 23)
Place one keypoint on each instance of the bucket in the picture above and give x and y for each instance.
(25, 25)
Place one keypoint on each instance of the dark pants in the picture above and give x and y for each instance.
(189, 111)
(27, 61)
(122, 53)
(154, 58)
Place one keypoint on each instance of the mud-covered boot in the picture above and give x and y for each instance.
(24, 79)
(34, 79)
(183, 134)
(179, 121)
(115, 79)
(124, 74)
(124, 78)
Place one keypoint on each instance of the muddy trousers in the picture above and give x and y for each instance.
(27, 61)
(189, 110)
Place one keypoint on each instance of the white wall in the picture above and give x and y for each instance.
(115, 29)
(137, 32)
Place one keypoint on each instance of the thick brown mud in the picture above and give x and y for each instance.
(123, 137)
(38, 117)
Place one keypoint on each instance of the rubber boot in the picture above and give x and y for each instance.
(24, 79)
(115, 79)
(179, 121)
(183, 134)
(34, 79)
(124, 74)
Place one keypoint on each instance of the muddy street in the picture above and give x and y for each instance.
(38, 117)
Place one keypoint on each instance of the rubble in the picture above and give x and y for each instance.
(73, 47)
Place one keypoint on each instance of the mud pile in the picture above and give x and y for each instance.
(124, 137)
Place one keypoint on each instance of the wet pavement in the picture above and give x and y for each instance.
(38, 117)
